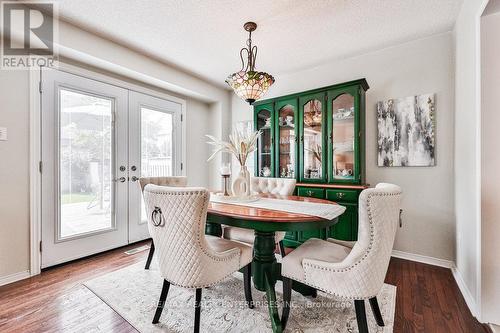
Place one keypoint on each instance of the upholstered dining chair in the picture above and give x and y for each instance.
(350, 270)
(277, 186)
(187, 257)
(177, 181)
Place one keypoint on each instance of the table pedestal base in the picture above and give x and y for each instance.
(266, 271)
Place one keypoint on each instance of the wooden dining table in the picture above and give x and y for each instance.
(266, 271)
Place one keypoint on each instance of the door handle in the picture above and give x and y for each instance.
(121, 180)
(134, 178)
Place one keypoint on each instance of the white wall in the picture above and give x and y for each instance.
(490, 165)
(418, 67)
(467, 152)
(198, 120)
(207, 111)
(14, 173)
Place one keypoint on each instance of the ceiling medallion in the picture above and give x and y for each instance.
(249, 84)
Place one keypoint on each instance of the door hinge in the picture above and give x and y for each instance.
(182, 117)
(182, 166)
(40, 246)
(40, 166)
(40, 86)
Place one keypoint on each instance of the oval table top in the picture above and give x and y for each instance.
(260, 218)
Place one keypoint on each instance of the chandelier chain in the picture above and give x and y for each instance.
(251, 55)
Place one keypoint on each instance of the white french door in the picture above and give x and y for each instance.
(97, 140)
(155, 146)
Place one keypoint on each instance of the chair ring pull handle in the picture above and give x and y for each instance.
(157, 217)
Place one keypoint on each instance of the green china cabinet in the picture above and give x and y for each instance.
(318, 138)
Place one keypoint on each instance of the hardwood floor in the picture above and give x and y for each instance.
(428, 299)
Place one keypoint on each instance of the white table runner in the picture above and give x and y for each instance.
(325, 211)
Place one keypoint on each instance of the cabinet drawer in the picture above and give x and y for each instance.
(342, 195)
(311, 192)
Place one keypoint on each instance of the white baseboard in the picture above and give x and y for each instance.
(494, 328)
(14, 277)
(423, 259)
(471, 303)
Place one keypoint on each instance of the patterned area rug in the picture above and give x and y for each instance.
(133, 293)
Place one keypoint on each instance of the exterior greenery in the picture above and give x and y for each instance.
(336, 188)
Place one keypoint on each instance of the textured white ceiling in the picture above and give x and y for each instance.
(204, 36)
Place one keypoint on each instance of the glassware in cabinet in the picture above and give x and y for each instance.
(312, 150)
(286, 157)
(264, 123)
(342, 136)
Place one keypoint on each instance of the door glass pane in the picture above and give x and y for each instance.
(264, 143)
(343, 136)
(156, 146)
(287, 141)
(313, 144)
(86, 150)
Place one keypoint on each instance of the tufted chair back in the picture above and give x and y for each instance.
(176, 222)
(178, 181)
(278, 186)
(361, 274)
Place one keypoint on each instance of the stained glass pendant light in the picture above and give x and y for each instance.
(249, 84)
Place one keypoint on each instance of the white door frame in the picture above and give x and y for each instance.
(35, 75)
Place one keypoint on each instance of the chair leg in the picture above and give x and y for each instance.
(361, 316)
(247, 282)
(376, 311)
(197, 311)
(161, 302)
(287, 295)
(282, 248)
(150, 255)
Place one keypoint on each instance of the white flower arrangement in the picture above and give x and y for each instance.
(241, 145)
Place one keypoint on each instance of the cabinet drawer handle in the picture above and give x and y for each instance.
(340, 195)
(310, 193)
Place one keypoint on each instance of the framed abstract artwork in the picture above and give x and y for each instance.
(406, 131)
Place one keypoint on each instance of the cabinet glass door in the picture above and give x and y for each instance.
(312, 139)
(265, 143)
(343, 137)
(287, 136)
